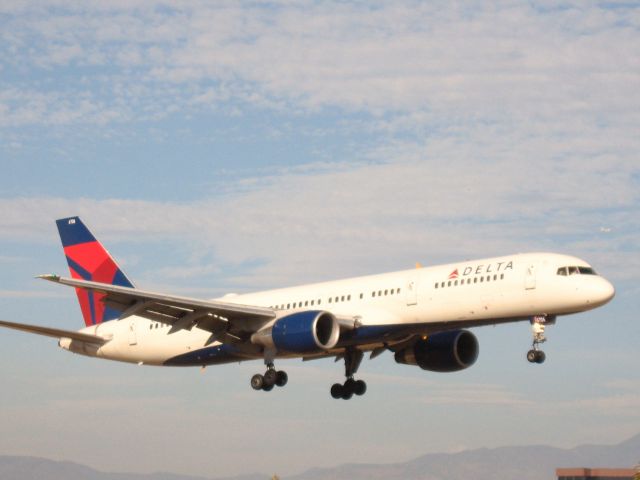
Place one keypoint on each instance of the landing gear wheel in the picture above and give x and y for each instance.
(257, 382)
(337, 390)
(281, 378)
(348, 389)
(267, 388)
(360, 387)
(351, 386)
(270, 377)
(540, 357)
(532, 355)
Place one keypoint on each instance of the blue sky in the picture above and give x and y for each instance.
(241, 146)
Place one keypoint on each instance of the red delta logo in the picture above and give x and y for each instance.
(453, 275)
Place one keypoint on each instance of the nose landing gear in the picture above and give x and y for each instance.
(538, 325)
(536, 356)
(351, 386)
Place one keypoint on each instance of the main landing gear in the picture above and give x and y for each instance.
(270, 379)
(538, 324)
(351, 386)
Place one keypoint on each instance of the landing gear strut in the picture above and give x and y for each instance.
(351, 386)
(538, 324)
(270, 379)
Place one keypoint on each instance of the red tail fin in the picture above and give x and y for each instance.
(89, 260)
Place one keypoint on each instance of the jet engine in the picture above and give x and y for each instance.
(301, 332)
(442, 352)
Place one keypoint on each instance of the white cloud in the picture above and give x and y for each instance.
(470, 62)
(477, 395)
(416, 208)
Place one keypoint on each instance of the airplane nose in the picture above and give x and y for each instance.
(605, 292)
(610, 291)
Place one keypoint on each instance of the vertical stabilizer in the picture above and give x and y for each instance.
(89, 260)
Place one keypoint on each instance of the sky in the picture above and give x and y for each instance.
(237, 146)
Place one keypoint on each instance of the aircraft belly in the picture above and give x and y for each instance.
(213, 355)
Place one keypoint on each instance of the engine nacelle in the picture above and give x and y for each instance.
(442, 352)
(301, 332)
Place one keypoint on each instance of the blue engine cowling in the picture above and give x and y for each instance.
(442, 352)
(307, 331)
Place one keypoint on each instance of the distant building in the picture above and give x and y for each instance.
(596, 473)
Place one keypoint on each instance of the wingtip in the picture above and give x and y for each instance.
(52, 277)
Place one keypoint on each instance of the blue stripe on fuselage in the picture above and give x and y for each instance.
(228, 353)
(207, 356)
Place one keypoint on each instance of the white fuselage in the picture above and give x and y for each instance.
(380, 307)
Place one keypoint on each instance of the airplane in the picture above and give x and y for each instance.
(422, 315)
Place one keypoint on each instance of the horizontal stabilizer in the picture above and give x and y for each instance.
(55, 332)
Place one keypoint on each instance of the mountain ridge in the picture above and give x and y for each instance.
(521, 462)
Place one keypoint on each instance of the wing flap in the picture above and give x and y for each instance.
(55, 332)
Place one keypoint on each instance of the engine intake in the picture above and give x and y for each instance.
(442, 352)
(301, 332)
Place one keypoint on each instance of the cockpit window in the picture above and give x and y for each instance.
(573, 270)
(586, 271)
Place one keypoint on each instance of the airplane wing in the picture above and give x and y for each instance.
(228, 322)
(55, 332)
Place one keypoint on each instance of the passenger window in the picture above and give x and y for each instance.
(373, 294)
(348, 298)
(502, 276)
(329, 299)
(435, 286)
(475, 279)
(398, 291)
(342, 298)
(449, 283)
(361, 296)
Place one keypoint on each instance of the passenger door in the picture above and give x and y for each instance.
(411, 289)
(133, 340)
(530, 278)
